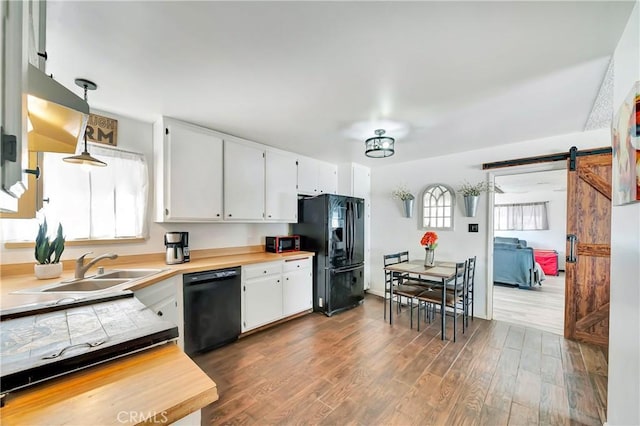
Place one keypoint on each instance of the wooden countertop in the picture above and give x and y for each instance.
(161, 384)
(11, 283)
(162, 381)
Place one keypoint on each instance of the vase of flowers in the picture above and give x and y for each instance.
(430, 242)
(407, 198)
(471, 194)
(47, 253)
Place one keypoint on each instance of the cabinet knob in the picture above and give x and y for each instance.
(298, 266)
(218, 215)
(265, 272)
(278, 281)
(287, 278)
(160, 313)
(166, 212)
(269, 215)
(229, 214)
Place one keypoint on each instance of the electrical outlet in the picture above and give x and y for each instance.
(473, 227)
(320, 302)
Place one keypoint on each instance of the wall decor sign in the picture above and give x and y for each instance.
(102, 130)
(625, 132)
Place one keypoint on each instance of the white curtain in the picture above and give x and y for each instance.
(521, 217)
(90, 202)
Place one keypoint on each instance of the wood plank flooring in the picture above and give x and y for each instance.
(354, 368)
(539, 307)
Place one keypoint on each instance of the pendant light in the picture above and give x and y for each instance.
(85, 158)
(379, 146)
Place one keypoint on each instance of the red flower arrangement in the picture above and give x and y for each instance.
(429, 240)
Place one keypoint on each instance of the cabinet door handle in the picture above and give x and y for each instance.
(166, 212)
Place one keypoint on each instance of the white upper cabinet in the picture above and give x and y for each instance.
(14, 26)
(316, 177)
(281, 200)
(188, 171)
(244, 181)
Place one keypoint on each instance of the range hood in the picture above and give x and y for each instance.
(57, 116)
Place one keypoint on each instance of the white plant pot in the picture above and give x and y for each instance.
(47, 271)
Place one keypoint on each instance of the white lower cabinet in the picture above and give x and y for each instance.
(262, 301)
(274, 290)
(164, 299)
(297, 282)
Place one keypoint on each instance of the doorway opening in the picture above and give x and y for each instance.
(529, 231)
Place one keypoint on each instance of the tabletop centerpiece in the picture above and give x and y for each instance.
(430, 242)
(48, 267)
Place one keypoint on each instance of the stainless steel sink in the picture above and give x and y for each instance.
(128, 273)
(87, 284)
(110, 278)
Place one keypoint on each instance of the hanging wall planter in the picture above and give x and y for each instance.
(471, 205)
(408, 208)
(407, 198)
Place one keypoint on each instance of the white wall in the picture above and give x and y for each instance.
(553, 238)
(391, 232)
(134, 135)
(624, 316)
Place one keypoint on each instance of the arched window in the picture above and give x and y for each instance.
(437, 207)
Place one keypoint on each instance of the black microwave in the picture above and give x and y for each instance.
(282, 243)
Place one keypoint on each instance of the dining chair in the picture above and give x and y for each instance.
(471, 275)
(431, 298)
(391, 278)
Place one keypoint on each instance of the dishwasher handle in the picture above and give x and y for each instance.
(209, 276)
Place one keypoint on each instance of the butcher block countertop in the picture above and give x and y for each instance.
(15, 278)
(160, 384)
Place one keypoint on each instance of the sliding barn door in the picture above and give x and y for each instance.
(588, 249)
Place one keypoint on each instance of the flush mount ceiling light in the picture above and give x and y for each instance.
(379, 146)
(85, 158)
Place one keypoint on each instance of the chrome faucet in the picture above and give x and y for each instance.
(82, 269)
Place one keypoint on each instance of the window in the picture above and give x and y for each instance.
(520, 217)
(437, 207)
(92, 203)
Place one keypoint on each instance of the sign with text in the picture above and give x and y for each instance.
(102, 130)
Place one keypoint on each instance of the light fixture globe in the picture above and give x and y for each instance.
(379, 146)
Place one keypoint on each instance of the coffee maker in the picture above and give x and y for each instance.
(177, 245)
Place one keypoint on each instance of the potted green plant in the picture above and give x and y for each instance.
(471, 194)
(407, 198)
(47, 253)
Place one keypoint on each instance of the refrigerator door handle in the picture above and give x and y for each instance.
(347, 230)
(346, 269)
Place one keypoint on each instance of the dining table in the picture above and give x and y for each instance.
(435, 276)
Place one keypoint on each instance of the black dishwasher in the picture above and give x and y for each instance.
(211, 309)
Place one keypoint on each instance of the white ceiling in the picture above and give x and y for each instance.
(552, 180)
(318, 77)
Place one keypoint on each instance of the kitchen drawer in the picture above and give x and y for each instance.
(296, 264)
(261, 270)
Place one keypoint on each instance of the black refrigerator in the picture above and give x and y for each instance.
(332, 226)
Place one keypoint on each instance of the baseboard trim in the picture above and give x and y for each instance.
(375, 292)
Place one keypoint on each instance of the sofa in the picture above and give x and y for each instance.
(514, 263)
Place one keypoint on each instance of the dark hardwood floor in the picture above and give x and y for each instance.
(354, 368)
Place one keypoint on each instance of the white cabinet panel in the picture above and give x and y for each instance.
(307, 176)
(327, 178)
(13, 102)
(188, 173)
(316, 177)
(164, 299)
(281, 199)
(262, 301)
(297, 291)
(243, 181)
